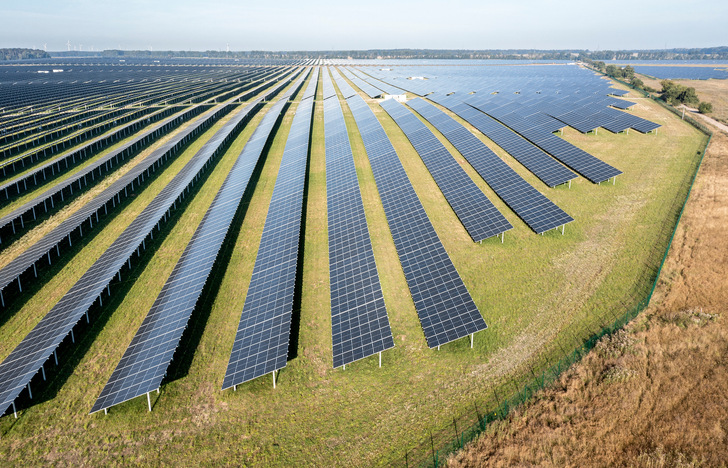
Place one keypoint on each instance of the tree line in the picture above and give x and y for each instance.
(22, 54)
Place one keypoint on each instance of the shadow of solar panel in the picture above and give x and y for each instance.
(445, 308)
(359, 322)
(477, 214)
(147, 358)
(261, 341)
(537, 211)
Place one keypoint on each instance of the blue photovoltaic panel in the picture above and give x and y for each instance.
(359, 323)
(444, 305)
(370, 90)
(17, 370)
(346, 90)
(537, 211)
(261, 342)
(535, 160)
(593, 169)
(147, 358)
(477, 214)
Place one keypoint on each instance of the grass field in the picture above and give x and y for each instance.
(530, 289)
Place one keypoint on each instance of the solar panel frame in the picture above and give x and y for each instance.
(480, 218)
(444, 306)
(262, 338)
(359, 323)
(144, 363)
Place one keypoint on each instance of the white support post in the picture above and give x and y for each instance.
(106, 411)
(614, 180)
(29, 392)
(344, 366)
(73, 338)
(562, 229)
(438, 347)
(274, 378)
(157, 390)
(569, 183)
(149, 402)
(235, 388)
(471, 340)
(42, 369)
(503, 236)
(15, 412)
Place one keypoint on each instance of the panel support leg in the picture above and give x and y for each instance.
(149, 402)
(15, 412)
(471, 340)
(42, 369)
(30, 392)
(55, 356)
(380, 359)
(274, 378)
(562, 229)
(106, 411)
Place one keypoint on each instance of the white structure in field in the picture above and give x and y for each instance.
(396, 97)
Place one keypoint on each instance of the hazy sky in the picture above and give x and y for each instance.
(341, 24)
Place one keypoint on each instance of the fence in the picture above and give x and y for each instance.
(434, 448)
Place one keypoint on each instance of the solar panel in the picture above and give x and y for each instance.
(477, 214)
(537, 211)
(35, 349)
(359, 322)
(535, 160)
(261, 341)
(444, 305)
(50, 198)
(590, 167)
(147, 358)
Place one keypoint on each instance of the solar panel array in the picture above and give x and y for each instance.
(537, 211)
(443, 303)
(35, 349)
(588, 166)
(261, 341)
(663, 72)
(145, 362)
(370, 90)
(50, 198)
(359, 322)
(535, 160)
(477, 214)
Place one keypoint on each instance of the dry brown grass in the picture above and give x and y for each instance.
(653, 395)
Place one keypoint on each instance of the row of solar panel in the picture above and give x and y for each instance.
(359, 322)
(145, 362)
(444, 305)
(27, 359)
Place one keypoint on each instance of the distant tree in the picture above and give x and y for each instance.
(600, 65)
(637, 83)
(628, 73)
(614, 71)
(675, 93)
(688, 96)
(705, 108)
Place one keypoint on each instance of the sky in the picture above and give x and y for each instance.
(356, 25)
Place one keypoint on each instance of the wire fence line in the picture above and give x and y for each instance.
(569, 348)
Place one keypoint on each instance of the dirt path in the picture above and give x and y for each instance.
(655, 394)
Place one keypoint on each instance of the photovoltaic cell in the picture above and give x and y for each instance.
(261, 341)
(359, 323)
(477, 214)
(147, 358)
(444, 305)
(17, 370)
(537, 211)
